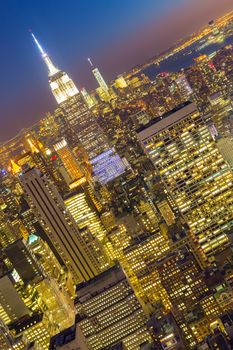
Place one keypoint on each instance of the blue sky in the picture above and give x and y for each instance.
(70, 31)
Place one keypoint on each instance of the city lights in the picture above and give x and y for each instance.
(116, 220)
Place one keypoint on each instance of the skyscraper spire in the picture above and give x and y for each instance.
(52, 69)
(91, 64)
(100, 80)
(61, 85)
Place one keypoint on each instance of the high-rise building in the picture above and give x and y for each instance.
(68, 159)
(33, 328)
(171, 268)
(141, 256)
(91, 228)
(221, 112)
(12, 307)
(76, 111)
(52, 267)
(59, 226)
(120, 82)
(194, 173)
(8, 233)
(225, 146)
(110, 312)
(85, 126)
(193, 303)
(62, 86)
(98, 76)
(107, 166)
(184, 87)
(86, 129)
(84, 213)
(23, 262)
(46, 258)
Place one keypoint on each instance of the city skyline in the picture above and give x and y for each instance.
(116, 206)
(146, 20)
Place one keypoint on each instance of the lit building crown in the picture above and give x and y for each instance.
(61, 85)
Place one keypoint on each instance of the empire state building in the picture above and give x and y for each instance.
(105, 161)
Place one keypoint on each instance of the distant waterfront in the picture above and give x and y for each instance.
(184, 58)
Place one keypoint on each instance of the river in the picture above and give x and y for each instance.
(185, 58)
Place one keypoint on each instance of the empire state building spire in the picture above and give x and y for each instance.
(61, 85)
(51, 68)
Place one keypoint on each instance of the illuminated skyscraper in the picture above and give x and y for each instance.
(33, 328)
(91, 228)
(62, 86)
(120, 82)
(107, 166)
(221, 111)
(68, 159)
(77, 113)
(98, 77)
(84, 213)
(141, 256)
(193, 303)
(79, 117)
(225, 146)
(194, 172)
(109, 312)
(59, 226)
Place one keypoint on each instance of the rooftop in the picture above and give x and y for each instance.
(26, 322)
(159, 123)
(113, 270)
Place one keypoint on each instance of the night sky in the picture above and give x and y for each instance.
(115, 34)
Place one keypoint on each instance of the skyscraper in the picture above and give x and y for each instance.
(193, 171)
(12, 307)
(62, 86)
(184, 87)
(8, 234)
(84, 213)
(23, 262)
(59, 226)
(109, 312)
(98, 77)
(68, 159)
(80, 118)
(75, 109)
